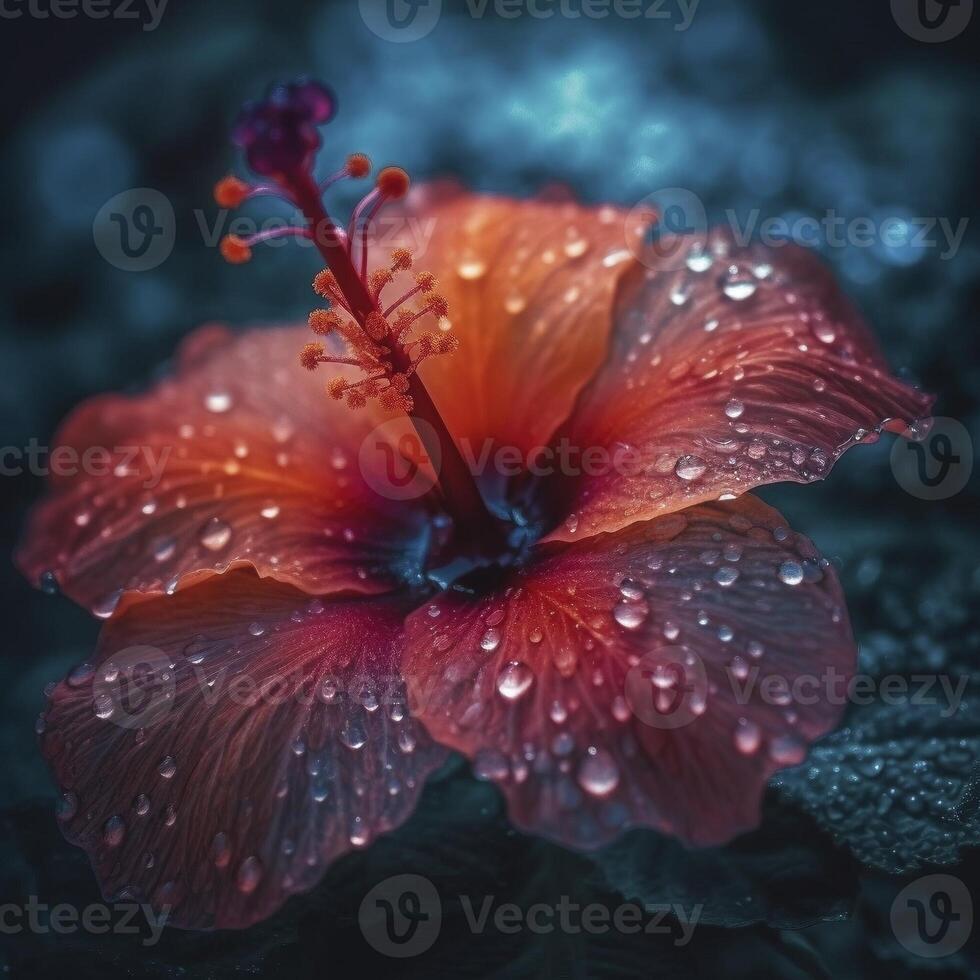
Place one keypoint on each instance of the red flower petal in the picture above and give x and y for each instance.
(240, 459)
(753, 369)
(277, 741)
(600, 686)
(531, 287)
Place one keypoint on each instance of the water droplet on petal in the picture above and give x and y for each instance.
(114, 831)
(631, 615)
(734, 408)
(690, 467)
(598, 773)
(791, 572)
(514, 680)
(167, 767)
(215, 534)
(218, 401)
(490, 640)
(249, 875)
(747, 736)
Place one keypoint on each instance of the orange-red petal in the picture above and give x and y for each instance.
(531, 287)
(621, 680)
(745, 366)
(228, 743)
(239, 459)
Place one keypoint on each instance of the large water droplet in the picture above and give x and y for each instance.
(215, 534)
(791, 572)
(747, 736)
(167, 767)
(598, 773)
(514, 680)
(631, 615)
(218, 401)
(690, 467)
(734, 408)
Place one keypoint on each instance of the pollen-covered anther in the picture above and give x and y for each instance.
(356, 398)
(231, 191)
(393, 183)
(437, 305)
(336, 388)
(235, 250)
(358, 165)
(325, 284)
(401, 259)
(311, 355)
(376, 326)
(426, 282)
(448, 344)
(323, 322)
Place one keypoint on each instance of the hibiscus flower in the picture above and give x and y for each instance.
(338, 577)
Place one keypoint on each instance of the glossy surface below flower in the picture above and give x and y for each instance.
(265, 552)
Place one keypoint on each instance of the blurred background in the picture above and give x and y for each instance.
(759, 108)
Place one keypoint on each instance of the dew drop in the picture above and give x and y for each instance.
(249, 875)
(270, 510)
(690, 467)
(215, 534)
(726, 576)
(490, 640)
(218, 402)
(631, 615)
(167, 767)
(514, 680)
(791, 572)
(67, 806)
(114, 831)
(747, 736)
(738, 285)
(598, 773)
(734, 408)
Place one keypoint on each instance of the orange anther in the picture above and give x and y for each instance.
(235, 250)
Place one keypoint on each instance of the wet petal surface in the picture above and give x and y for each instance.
(648, 677)
(730, 367)
(241, 458)
(531, 287)
(227, 743)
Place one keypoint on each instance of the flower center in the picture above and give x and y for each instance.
(384, 337)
